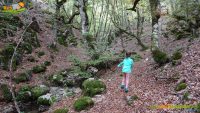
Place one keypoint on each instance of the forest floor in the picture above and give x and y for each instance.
(142, 81)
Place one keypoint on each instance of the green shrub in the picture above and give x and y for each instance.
(176, 55)
(6, 92)
(83, 103)
(41, 53)
(136, 57)
(23, 77)
(160, 57)
(181, 86)
(93, 87)
(61, 110)
(38, 91)
(39, 69)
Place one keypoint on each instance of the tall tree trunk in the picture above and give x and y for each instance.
(155, 13)
(84, 16)
(57, 13)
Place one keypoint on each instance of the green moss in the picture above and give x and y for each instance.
(83, 103)
(39, 69)
(6, 92)
(61, 110)
(93, 87)
(160, 57)
(24, 94)
(38, 91)
(23, 77)
(181, 86)
(46, 99)
(57, 79)
(41, 53)
(176, 55)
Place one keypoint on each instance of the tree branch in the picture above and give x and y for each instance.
(11, 70)
(72, 17)
(134, 5)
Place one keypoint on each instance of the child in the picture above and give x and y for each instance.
(127, 65)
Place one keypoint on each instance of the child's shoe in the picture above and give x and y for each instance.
(126, 90)
(122, 86)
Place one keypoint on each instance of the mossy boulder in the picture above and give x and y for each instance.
(160, 57)
(6, 92)
(23, 77)
(39, 68)
(176, 55)
(181, 86)
(24, 94)
(47, 99)
(61, 110)
(39, 91)
(83, 103)
(93, 87)
(57, 79)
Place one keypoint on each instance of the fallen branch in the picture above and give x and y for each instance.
(11, 70)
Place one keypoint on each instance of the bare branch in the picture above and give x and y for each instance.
(11, 70)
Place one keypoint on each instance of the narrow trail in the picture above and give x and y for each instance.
(149, 91)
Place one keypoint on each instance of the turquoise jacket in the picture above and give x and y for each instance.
(127, 65)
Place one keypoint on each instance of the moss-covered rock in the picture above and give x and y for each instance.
(61, 110)
(47, 99)
(57, 79)
(83, 103)
(160, 57)
(6, 92)
(24, 94)
(93, 87)
(176, 55)
(181, 86)
(23, 77)
(39, 69)
(39, 91)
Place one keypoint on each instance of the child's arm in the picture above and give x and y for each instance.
(120, 65)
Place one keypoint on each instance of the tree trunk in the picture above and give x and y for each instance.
(155, 13)
(84, 16)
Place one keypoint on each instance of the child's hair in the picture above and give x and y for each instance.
(128, 54)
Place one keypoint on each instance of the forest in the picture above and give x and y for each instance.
(99, 56)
